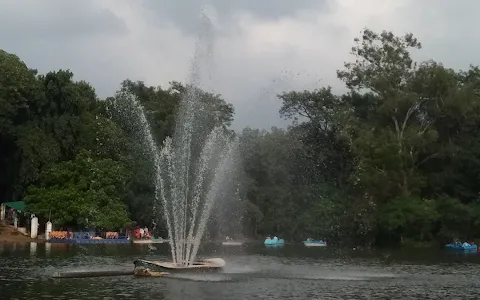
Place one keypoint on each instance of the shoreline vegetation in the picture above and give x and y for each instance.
(393, 161)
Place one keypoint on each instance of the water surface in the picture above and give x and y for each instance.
(252, 272)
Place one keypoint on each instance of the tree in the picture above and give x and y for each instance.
(325, 155)
(84, 192)
(19, 88)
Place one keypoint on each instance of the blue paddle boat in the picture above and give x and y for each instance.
(465, 247)
(314, 243)
(274, 241)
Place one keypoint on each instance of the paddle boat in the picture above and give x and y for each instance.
(274, 241)
(314, 243)
(230, 242)
(144, 267)
(465, 247)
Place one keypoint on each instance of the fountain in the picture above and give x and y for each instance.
(190, 171)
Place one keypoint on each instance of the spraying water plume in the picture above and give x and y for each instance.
(195, 165)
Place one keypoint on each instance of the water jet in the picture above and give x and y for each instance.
(192, 168)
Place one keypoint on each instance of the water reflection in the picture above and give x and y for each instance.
(33, 248)
(48, 249)
(252, 273)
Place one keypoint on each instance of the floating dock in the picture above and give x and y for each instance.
(90, 241)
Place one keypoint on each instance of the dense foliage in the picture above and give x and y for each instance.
(394, 160)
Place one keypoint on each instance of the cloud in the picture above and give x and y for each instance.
(185, 13)
(55, 20)
(261, 48)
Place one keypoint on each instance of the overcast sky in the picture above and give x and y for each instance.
(261, 47)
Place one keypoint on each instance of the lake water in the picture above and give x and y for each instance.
(252, 272)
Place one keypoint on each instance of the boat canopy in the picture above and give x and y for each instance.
(18, 205)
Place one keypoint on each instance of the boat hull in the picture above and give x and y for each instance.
(232, 243)
(274, 242)
(207, 265)
(275, 245)
(461, 248)
(314, 243)
(151, 241)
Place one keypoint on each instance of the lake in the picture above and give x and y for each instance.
(252, 272)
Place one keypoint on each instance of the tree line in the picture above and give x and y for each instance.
(394, 160)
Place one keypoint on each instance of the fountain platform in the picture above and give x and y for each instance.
(206, 265)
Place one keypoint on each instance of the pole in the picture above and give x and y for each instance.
(2, 211)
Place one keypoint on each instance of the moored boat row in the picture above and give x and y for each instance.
(275, 241)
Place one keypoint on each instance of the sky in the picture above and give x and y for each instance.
(260, 48)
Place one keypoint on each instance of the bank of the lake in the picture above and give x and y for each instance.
(253, 272)
(10, 234)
